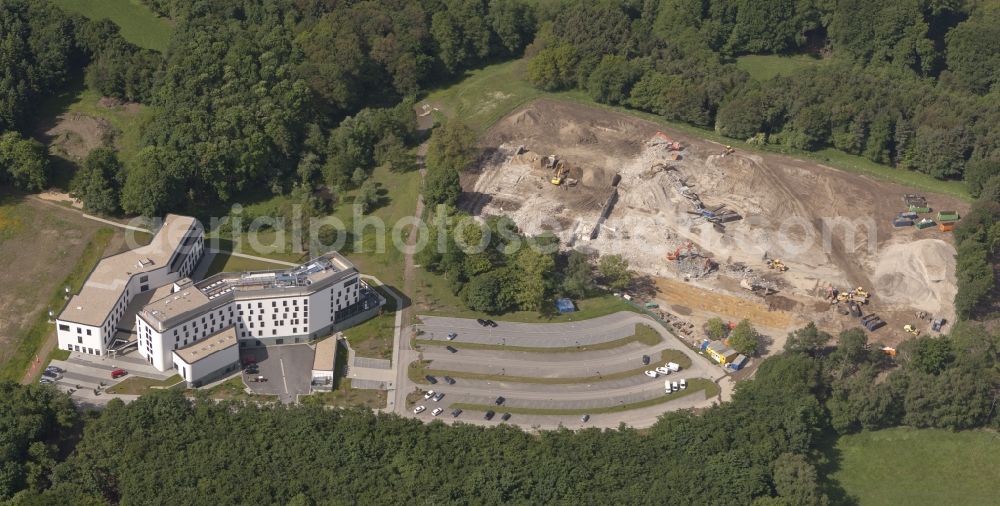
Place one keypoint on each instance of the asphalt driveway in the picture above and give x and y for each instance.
(287, 370)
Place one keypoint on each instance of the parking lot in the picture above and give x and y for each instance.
(286, 370)
(564, 379)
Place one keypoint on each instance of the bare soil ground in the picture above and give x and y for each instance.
(39, 246)
(832, 228)
(75, 134)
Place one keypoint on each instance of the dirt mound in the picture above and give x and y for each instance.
(918, 274)
(74, 135)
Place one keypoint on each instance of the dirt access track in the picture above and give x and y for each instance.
(830, 227)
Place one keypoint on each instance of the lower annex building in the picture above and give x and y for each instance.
(197, 328)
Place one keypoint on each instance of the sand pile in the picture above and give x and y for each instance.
(919, 274)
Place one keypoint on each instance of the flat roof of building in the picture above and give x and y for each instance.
(107, 282)
(326, 353)
(223, 287)
(222, 340)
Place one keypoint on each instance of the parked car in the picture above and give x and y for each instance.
(54, 376)
(489, 415)
(675, 386)
(249, 359)
(437, 411)
(452, 336)
(505, 417)
(45, 381)
(668, 387)
(673, 366)
(451, 349)
(455, 413)
(428, 394)
(482, 322)
(252, 369)
(449, 380)
(438, 396)
(431, 379)
(55, 369)
(419, 409)
(491, 323)
(118, 373)
(500, 400)
(663, 370)
(684, 384)
(651, 374)
(645, 360)
(585, 418)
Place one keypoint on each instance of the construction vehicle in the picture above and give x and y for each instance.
(728, 151)
(559, 173)
(861, 292)
(677, 252)
(910, 329)
(937, 324)
(777, 265)
(854, 309)
(889, 351)
(672, 145)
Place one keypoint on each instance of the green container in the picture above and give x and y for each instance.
(947, 216)
(922, 224)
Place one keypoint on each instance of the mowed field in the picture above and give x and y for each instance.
(918, 467)
(138, 24)
(41, 247)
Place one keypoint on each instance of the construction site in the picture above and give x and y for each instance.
(722, 231)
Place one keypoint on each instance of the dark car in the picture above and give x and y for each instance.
(431, 379)
(482, 322)
(505, 417)
(489, 415)
(645, 360)
(451, 349)
(500, 400)
(252, 369)
(449, 380)
(455, 413)
(584, 418)
(491, 323)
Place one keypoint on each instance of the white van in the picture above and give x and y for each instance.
(668, 386)
(673, 366)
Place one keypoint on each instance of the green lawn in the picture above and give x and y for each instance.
(644, 335)
(916, 467)
(489, 94)
(373, 338)
(137, 385)
(224, 262)
(345, 396)
(765, 66)
(694, 385)
(138, 24)
(434, 298)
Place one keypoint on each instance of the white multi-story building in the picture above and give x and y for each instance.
(228, 311)
(92, 318)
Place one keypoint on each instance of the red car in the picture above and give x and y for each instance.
(118, 373)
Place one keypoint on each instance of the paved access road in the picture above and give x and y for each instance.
(287, 369)
(592, 392)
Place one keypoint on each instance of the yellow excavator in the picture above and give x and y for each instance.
(777, 265)
(559, 173)
(910, 329)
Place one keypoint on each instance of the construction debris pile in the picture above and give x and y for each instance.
(750, 280)
(690, 262)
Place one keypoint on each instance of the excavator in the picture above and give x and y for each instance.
(777, 265)
(910, 329)
(677, 252)
(559, 173)
(729, 150)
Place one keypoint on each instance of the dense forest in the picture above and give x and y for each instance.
(764, 447)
